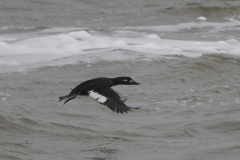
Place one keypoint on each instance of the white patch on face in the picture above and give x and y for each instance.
(125, 80)
(97, 96)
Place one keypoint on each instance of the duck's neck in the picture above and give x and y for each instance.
(114, 82)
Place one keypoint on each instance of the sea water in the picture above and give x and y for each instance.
(185, 54)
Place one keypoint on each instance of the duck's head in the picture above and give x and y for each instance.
(126, 81)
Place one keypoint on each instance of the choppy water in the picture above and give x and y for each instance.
(188, 70)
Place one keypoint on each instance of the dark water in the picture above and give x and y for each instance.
(104, 14)
(190, 110)
(189, 106)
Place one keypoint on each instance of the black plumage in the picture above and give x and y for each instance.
(100, 89)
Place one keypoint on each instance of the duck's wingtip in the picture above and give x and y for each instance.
(135, 107)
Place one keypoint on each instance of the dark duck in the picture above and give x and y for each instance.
(100, 90)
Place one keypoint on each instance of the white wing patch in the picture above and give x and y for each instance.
(100, 98)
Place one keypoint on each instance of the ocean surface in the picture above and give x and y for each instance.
(185, 54)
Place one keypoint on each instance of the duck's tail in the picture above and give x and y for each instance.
(70, 97)
(63, 97)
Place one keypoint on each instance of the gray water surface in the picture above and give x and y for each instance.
(189, 106)
(189, 110)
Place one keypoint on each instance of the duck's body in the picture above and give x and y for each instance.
(100, 89)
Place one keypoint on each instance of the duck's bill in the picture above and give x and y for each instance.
(135, 83)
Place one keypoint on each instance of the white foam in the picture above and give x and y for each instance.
(166, 47)
(232, 24)
(102, 45)
(119, 43)
(197, 43)
(232, 41)
(202, 18)
(152, 36)
(222, 43)
(222, 52)
(3, 44)
(70, 48)
(150, 46)
(235, 52)
(79, 34)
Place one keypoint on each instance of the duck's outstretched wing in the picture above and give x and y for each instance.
(108, 97)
